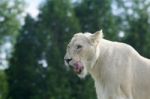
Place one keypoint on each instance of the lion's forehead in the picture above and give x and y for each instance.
(79, 38)
(86, 34)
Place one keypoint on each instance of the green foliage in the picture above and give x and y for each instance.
(10, 11)
(137, 29)
(18, 71)
(95, 15)
(3, 85)
(26, 77)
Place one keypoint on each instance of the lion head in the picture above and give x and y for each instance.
(82, 52)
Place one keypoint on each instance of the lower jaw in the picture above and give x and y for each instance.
(78, 73)
(81, 75)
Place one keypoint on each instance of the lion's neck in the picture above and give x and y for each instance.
(97, 72)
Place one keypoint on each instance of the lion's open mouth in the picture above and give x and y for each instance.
(78, 67)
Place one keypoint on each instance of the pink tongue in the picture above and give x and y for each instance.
(78, 67)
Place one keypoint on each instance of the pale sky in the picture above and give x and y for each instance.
(32, 7)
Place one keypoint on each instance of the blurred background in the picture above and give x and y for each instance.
(34, 35)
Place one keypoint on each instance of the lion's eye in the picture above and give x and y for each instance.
(79, 46)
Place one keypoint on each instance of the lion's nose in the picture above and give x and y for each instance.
(68, 60)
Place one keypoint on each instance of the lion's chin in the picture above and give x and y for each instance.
(82, 74)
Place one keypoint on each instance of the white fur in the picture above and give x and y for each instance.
(119, 71)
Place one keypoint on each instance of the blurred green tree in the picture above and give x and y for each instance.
(95, 15)
(136, 27)
(3, 85)
(10, 11)
(26, 75)
(19, 75)
(139, 31)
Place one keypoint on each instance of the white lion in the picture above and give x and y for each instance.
(118, 70)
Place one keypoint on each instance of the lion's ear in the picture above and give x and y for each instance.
(97, 36)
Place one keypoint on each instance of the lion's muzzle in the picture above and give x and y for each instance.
(68, 60)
